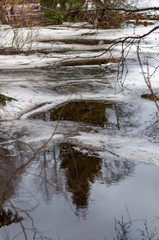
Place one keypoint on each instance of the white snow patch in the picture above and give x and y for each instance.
(123, 147)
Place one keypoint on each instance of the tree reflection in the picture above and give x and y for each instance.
(59, 169)
(97, 113)
(64, 169)
(50, 178)
(80, 171)
(114, 170)
(8, 164)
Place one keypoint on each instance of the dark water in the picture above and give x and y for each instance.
(65, 193)
(97, 113)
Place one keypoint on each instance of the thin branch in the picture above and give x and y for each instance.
(146, 78)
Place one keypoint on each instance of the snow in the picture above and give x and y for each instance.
(26, 78)
(122, 147)
(144, 3)
(147, 3)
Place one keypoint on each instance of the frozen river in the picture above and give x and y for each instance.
(79, 154)
(91, 176)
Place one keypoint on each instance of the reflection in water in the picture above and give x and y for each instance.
(97, 113)
(114, 171)
(65, 169)
(50, 177)
(61, 170)
(80, 171)
(8, 164)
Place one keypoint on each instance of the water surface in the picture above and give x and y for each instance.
(66, 193)
(97, 113)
